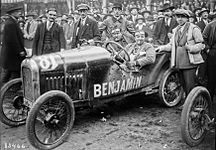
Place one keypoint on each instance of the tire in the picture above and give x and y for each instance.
(170, 82)
(13, 112)
(54, 113)
(192, 113)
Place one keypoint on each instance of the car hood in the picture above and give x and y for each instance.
(75, 58)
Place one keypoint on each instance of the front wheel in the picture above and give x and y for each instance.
(13, 112)
(170, 89)
(194, 116)
(50, 120)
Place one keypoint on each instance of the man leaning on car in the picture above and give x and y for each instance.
(185, 46)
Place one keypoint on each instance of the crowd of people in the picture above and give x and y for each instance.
(189, 35)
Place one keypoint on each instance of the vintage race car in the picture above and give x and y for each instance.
(52, 85)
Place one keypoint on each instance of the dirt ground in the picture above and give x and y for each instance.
(139, 123)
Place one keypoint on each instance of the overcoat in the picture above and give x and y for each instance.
(57, 38)
(12, 45)
(194, 40)
(88, 31)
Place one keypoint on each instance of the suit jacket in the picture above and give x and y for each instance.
(201, 24)
(57, 39)
(130, 18)
(12, 45)
(89, 31)
(161, 31)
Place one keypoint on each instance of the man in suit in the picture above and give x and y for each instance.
(209, 35)
(163, 27)
(13, 51)
(186, 41)
(85, 28)
(134, 15)
(202, 71)
(30, 29)
(49, 36)
(116, 20)
(204, 19)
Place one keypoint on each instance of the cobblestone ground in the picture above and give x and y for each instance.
(130, 125)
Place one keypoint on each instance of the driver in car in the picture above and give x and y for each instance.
(140, 52)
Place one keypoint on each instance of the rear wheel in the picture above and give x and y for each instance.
(170, 89)
(50, 120)
(194, 116)
(13, 112)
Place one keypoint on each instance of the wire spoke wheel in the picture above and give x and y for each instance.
(50, 120)
(53, 118)
(13, 112)
(194, 120)
(170, 90)
(197, 118)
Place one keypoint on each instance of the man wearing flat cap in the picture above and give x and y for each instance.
(185, 46)
(49, 36)
(13, 51)
(30, 29)
(164, 26)
(85, 28)
(117, 20)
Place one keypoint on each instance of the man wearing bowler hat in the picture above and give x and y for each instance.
(85, 28)
(12, 52)
(164, 26)
(117, 20)
(49, 36)
(185, 46)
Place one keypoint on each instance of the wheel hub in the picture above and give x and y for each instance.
(18, 102)
(51, 120)
(172, 86)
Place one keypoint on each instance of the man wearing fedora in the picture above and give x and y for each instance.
(185, 46)
(49, 36)
(116, 20)
(13, 51)
(204, 18)
(30, 29)
(85, 28)
(164, 26)
(209, 35)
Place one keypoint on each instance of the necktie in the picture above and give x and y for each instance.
(49, 25)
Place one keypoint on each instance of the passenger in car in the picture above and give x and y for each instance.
(140, 52)
(119, 37)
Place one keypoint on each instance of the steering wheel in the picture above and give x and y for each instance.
(116, 53)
